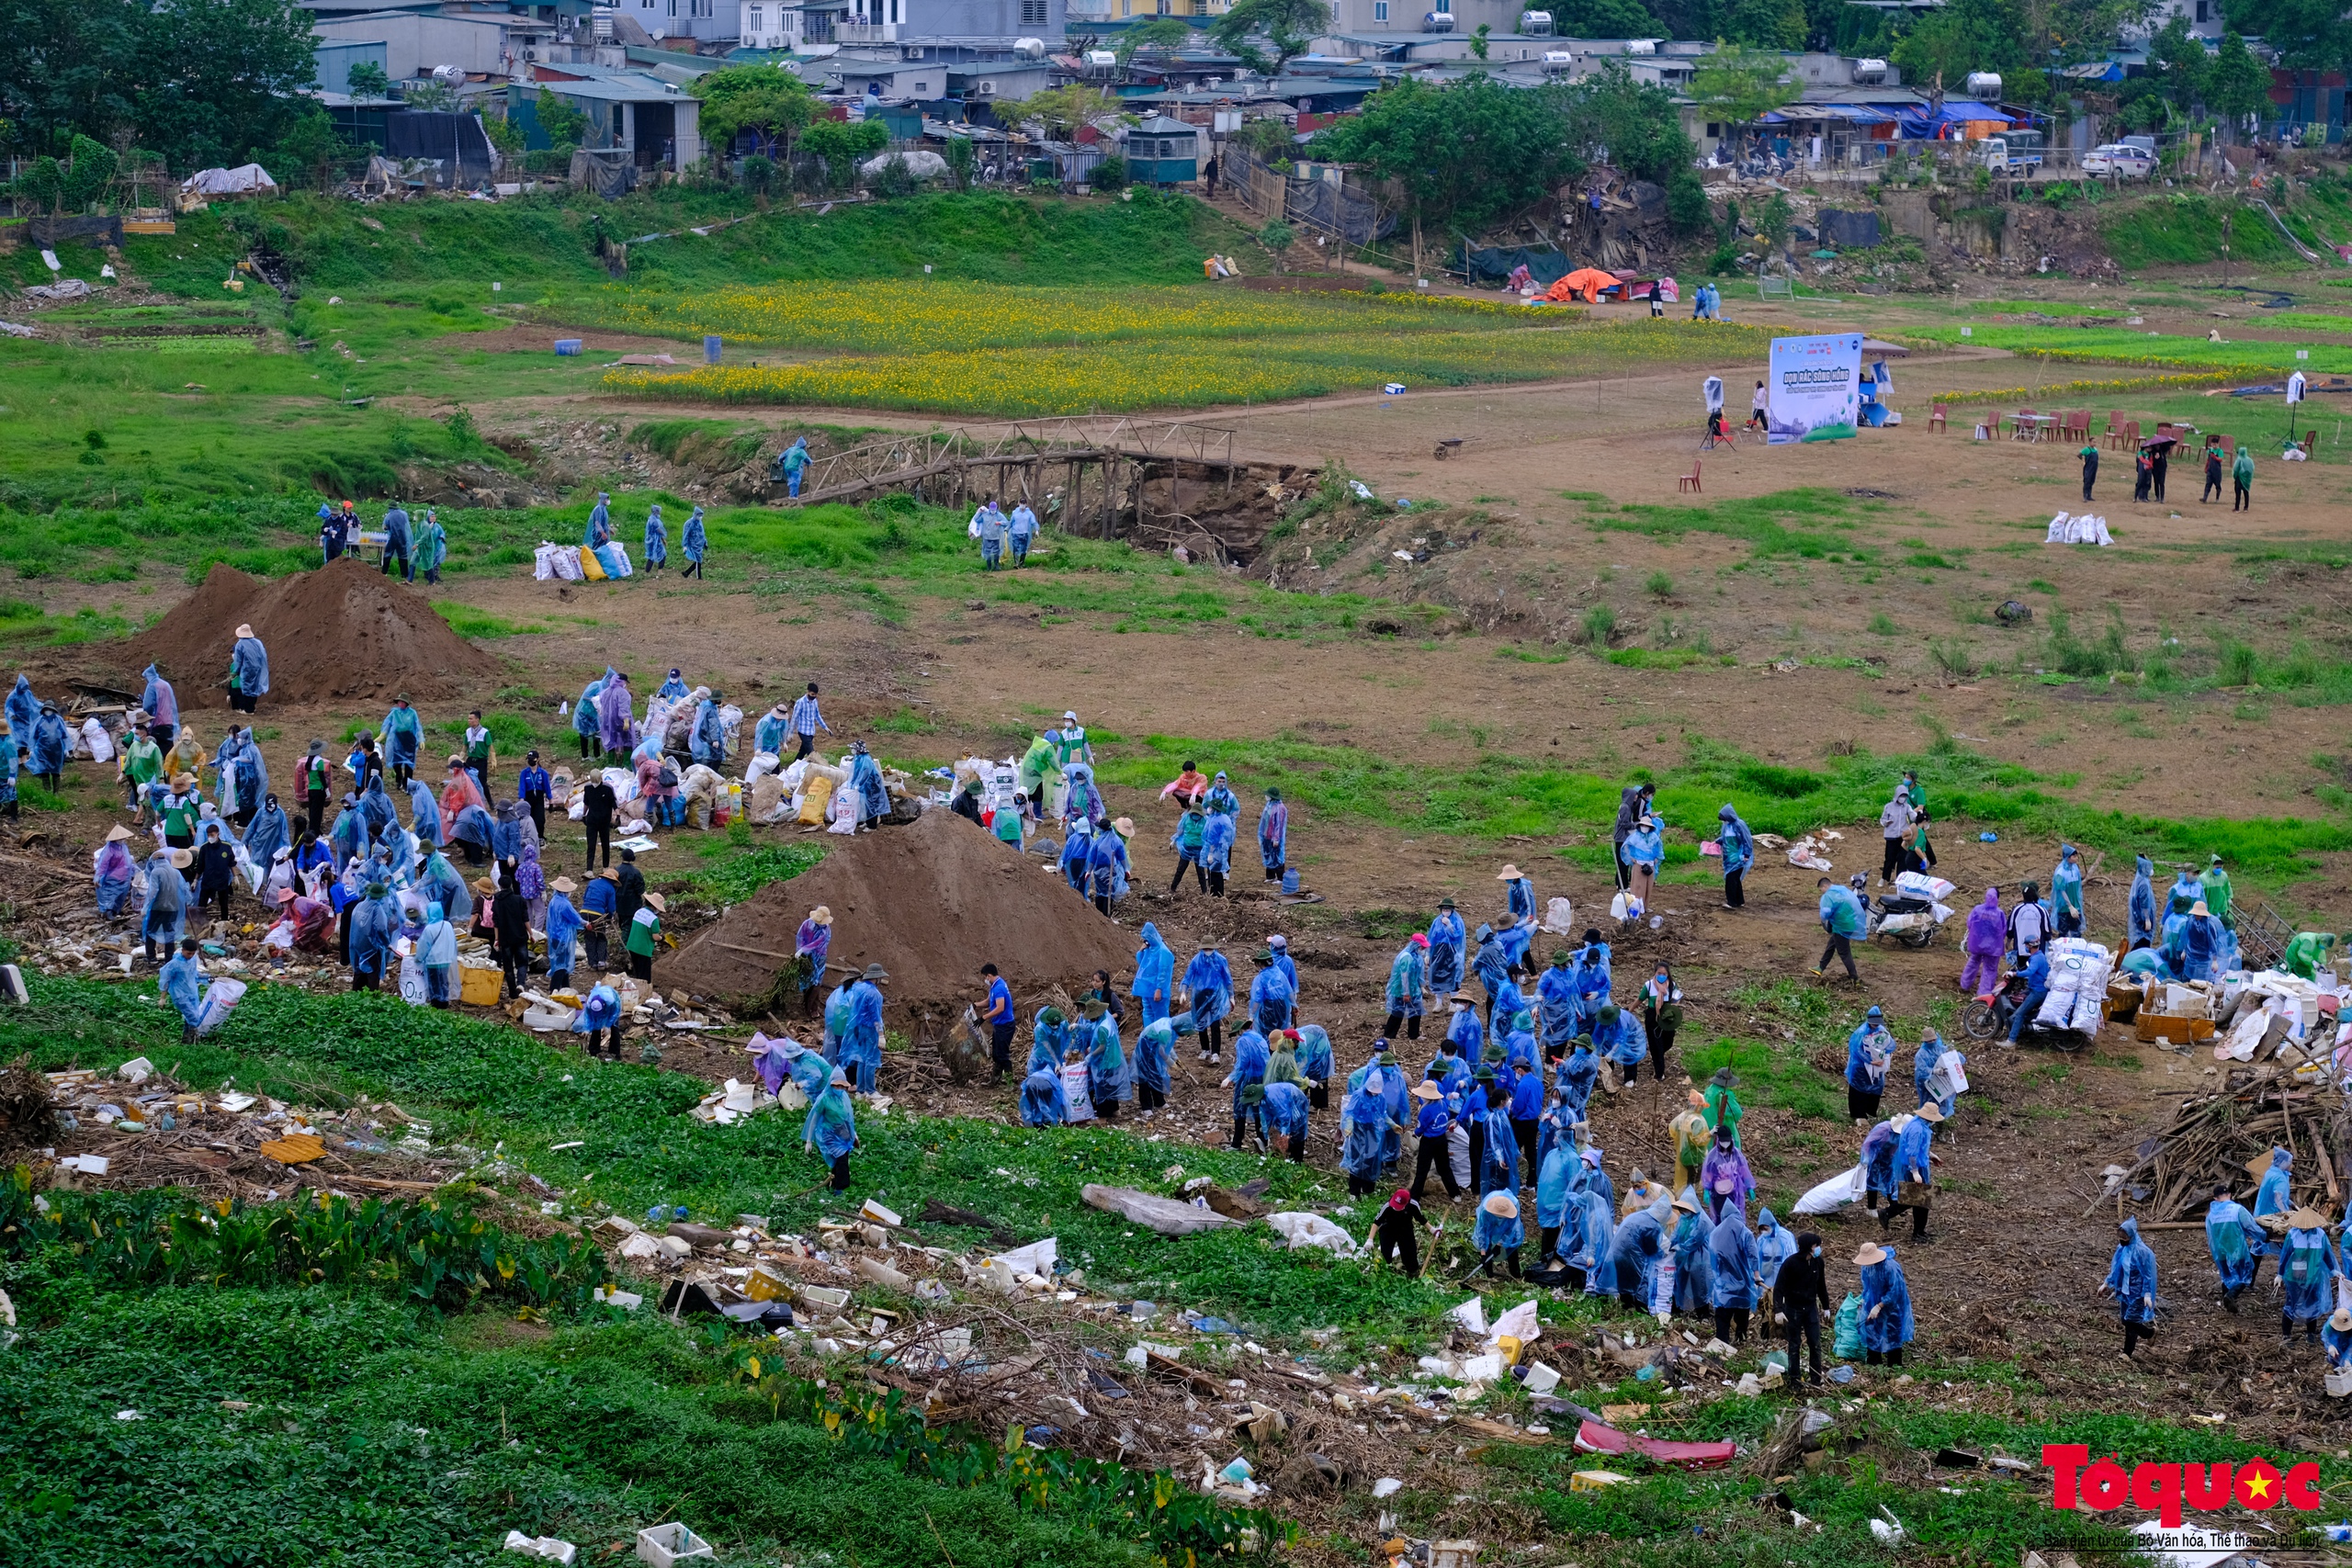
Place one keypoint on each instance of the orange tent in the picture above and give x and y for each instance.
(1586, 283)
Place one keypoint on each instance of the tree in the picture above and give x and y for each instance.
(843, 144)
(1464, 153)
(2310, 35)
(1765, 24)
(1061, 110)
(429, 95)
(1156, 32)
(770, 102)
(563, 122)
(2180, 56)
(2236, 85)
(367, 80)
(1606, 18)
(961, 160)
(1940, 50)
(220, 79)
(86, 181)
(43, 185)
(1636, 125)
(312, 154)
(1287, 26)
(1741, 85)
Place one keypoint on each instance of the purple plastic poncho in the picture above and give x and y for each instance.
(1988, 933)
(612, 713)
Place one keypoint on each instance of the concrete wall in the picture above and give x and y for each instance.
(684, 19)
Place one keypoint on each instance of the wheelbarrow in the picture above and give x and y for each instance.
(1447, 446)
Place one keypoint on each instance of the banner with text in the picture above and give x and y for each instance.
(1814, 387)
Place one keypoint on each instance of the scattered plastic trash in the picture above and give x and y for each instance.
(1237, 1472)
(1988, 838)
(546, 1546)
(1887, 1532)
(1841, 1374)
(665, 1544)
(1362, 490)
(1386, 1486)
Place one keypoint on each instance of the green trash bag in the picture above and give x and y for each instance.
(1848, 1344)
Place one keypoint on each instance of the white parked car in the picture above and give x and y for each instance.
(2123, 162)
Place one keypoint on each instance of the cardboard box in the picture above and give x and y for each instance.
(479, 987)
(2173, 1031)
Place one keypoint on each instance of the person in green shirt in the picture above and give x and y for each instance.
(2089, 454)
(644, 931)
(179, 813)
(143, 763)
(2242, 482)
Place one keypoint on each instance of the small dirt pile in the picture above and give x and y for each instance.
(345, 631)
(930, 902)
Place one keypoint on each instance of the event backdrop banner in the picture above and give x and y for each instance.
(1814, 387)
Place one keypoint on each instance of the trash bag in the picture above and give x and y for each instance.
(220, 998)
(1846, 1344)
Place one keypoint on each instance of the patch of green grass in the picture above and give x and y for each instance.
(1666, 658)
(742, 871)
(1791, 522)
(468, 622)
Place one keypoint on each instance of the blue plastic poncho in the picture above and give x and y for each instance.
(1734, 1261)
(563, 933)
(1363, 1118)
(1217, 845)
(584, 719)
(1491, 1230)
(1492, 964)
(2235, 1242)
(1736, 842)
(24, 708)
(440, 883)
(1593, 1252)
(1155, 1047)
(1408, 978)
(864, 776)
(249, 662)
(1466, 1034)
(2132, 1276)
(1042, 1101)
(2271, 1197)
(1912, 1147)
(1634, 1252)
(1077, 850)
(657, 539)
(707, 742)
(253, 773)
(112, 870)
(1446, 937)
(1552, 1180)
(1284, 1111)
(1622, 1042)
(50, 744)
(599, 1011)
(1106, 865)
(424, 813)
(1923, 1068)
(1775, 1245)
(1498, 1159)
(1155, 983)
(1270, 999)
(1273, 832)
(166, 911)
(862, 1046)
(832, 1125)
(267, 833)
(1694, 1281)
(1249, 1058)
(2306, 1273)
(1884, 1288)
(2066, 883)
(163, 706)
(1106, 1059)
(2141, 911)
(599, 530)
(1556, 1004)
(403, 731)
(694, 540)
(1209, 980)
(1868, 1049)
(184, 985)
(1314, 1053)
(1878, 1156)
(1580, 1070)
(374, 923)
(1047, 1040)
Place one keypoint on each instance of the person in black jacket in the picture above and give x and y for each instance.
(631, 883)
(1800, 1295)
(216, 866)
(602, 804)
(510, 924)
(1393, 1229)
(967, 803)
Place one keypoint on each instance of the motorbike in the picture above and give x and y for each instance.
(1989, 1015)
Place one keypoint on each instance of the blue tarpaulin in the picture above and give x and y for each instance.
(1923, 127)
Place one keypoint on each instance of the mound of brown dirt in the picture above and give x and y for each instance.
(345, 631)
(930, 902)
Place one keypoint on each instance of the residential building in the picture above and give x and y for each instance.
(2204, 18)
(656, 122)
(491, 44)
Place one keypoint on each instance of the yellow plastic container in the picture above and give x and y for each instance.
(1596, 1480)
(479, 987)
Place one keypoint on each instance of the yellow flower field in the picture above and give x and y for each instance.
(961, 348)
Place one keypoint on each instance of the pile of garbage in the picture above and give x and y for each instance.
(2287, 1100)
(552, 562)
(2083, 529)
(139, 1127)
